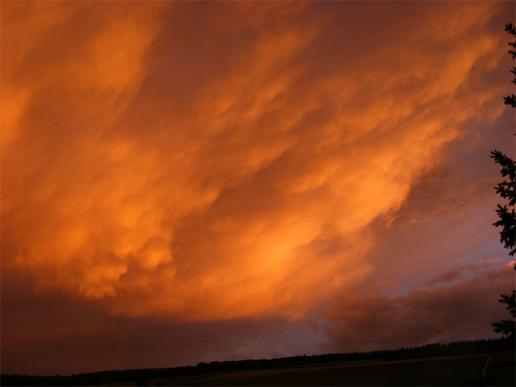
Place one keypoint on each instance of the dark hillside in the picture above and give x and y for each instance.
(456, 349)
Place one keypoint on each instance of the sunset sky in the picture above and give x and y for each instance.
(185, 182)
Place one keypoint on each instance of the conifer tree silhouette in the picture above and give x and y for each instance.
(506, 212)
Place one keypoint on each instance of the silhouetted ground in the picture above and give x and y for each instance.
(454, 364)
(501, 370)
(443, 371)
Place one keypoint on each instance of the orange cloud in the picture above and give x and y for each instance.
(213, 161)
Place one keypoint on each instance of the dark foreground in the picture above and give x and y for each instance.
(444, 371)
(481, 363)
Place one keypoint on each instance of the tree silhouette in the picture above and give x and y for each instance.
(506, 189)
(507, 213)
(506, 327)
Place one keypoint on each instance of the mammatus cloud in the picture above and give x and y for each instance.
(217, 161)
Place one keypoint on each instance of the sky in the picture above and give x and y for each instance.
(186, 182)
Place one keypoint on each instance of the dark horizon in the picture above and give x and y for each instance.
(458, 348)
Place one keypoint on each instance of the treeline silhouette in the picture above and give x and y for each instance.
(119, 376)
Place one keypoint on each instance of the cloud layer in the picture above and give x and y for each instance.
(445, 309)
(221, 161)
